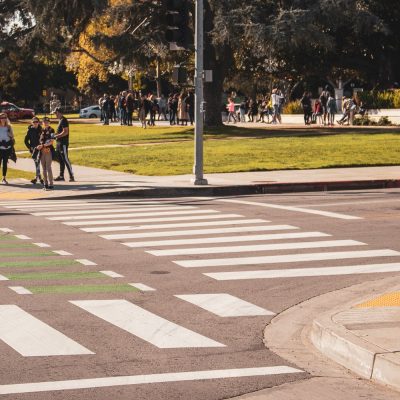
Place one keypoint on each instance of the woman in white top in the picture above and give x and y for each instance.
(6, 143)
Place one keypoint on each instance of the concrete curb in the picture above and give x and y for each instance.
(365, 359)
(240, 190)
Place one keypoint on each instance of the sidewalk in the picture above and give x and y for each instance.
(99, 182)
(364, 336)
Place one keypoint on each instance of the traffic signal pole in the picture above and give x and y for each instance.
(199, 98)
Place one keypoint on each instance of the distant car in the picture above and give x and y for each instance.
(14, 112)
(90, 112)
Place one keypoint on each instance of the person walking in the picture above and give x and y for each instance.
(31, 142)
(190, 101)
(277, 102)
(6, 144)
(182, 109)
(323, 98)
(162, 107)
(62, 137)
(231, 111)
(332, 110)
(46, 150)
(305, 102)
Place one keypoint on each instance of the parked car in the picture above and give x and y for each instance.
(14, 112)
(90, 112)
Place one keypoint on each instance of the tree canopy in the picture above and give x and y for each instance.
(246, 42)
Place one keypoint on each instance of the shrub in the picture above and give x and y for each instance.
(381, 99)
(363, 121)
(384, 121)
(293, 107)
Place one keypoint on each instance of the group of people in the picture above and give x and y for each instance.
(250, 110)
(39, 140)
(178, 106)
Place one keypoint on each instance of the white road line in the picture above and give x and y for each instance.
(183, 225)
(23, 237)
(305, 272)
(42, 244)
(295, 209)
(142, 287)
(31, 337)
(3, 278)
(86, 262)
(42, 203)
(6, 230)
(20, 290)
(199, 232)
(224, 305)
(82, 205)
(162, 219)
(261, 247)
(287, 258)
(145, 325)
(62, 253)
(112, 381)
(112, 274)
(227, 239)
(112, 211)
(348, 203)
(140, 214)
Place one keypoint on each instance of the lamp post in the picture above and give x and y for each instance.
(199, 100)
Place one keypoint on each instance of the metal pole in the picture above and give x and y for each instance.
(199, 104)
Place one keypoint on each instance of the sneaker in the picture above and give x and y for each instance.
(41, 181)
(71, 179)
(59, 178)
(4, 181)
(34, 180)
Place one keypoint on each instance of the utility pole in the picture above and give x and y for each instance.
(199, 100)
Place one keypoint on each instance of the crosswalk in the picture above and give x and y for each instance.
(223, 247)
(180, 228)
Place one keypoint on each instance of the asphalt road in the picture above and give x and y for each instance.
(220, 269)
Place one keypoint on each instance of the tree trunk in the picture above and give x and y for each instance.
(212, 90)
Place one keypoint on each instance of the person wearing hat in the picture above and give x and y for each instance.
(31, 142)
(62, 137)
(6, 143)
(46, 153)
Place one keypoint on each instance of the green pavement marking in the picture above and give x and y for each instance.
(15, 246)
(47, 263)
(27, 254)
(54, 275)
(81, 289)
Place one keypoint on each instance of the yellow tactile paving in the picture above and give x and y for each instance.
(386, 300)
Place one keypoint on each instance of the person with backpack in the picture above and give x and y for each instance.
(6, 144)
(332, 110)
(31, 142)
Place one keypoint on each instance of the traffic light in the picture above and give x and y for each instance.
(177, 21)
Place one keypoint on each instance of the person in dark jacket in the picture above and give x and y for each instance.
(31, 142)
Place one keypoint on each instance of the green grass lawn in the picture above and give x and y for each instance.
(344, 150)
(228, 149)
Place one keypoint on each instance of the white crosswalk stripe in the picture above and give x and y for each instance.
(182, 225)
(157, 219)
(199, 232)
(133, 214)
(287, 258)
(31, 337)
(224, 305)
(305, 272)
(145, 325)
(261, 247)
(226, 239)
(112, 211)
